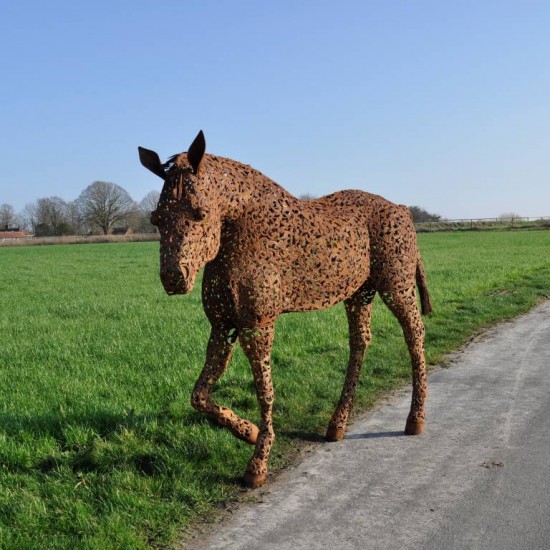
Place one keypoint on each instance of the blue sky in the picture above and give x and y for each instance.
(440, 104)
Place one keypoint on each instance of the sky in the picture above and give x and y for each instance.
(440, 104)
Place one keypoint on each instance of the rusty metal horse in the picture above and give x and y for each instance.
(266, 252)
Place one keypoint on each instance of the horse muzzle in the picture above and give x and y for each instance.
(176, 279)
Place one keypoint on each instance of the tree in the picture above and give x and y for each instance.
(150, 202)
(306, 197)
(7, 216)
(28, 217)
(75, 218)
(146, 206)
(509, 217)
(421, 215)
(103, 205)
(50, 217)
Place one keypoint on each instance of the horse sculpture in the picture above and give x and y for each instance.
(266, 252)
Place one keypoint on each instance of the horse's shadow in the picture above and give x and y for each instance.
(312, 437)
(53, 423)
(375, 435)
(107, 428)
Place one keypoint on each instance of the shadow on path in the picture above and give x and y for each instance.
(375, 435)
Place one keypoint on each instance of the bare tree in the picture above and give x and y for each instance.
(7, 216)
(75, 218)
(104, 205)
(28, 217)
(509, 217)
(51, 217)
(149, 202)
(146, 206)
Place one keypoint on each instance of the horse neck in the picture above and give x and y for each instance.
(240, 186)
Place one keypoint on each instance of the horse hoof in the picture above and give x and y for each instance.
(252, 437)
(253, 481)
(335, 433)
(414, 428)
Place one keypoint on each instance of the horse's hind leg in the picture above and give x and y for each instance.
(218, 354)
(404, 306)
(359, 312)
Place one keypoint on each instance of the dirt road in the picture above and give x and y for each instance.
(479, 478)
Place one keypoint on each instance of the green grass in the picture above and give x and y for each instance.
(99, 447)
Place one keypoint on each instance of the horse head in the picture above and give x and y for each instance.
(187, 215)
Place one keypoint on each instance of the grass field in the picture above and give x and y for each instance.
(99, 447)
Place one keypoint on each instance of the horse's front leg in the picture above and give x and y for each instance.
(218, 355)
(257, 344)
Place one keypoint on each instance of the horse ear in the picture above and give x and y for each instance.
(151, 161)
(196, 151)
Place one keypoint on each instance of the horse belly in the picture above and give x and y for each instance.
(327, 272)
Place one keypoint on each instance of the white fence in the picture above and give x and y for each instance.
(541, 222)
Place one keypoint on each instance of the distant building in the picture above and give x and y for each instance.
(13, 233)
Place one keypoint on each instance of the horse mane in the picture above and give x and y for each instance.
(170, 162)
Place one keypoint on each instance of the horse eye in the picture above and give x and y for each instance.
(154, 217)
(198, 214)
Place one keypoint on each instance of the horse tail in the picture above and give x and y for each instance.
(425, 304)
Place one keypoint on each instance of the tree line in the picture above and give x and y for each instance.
(100, 209)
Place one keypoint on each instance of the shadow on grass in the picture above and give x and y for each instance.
(302, 435)
(103, 423)
(155, 445)
(110, 441)
(53, 423)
